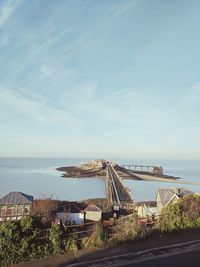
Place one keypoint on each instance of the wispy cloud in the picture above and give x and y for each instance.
(7, 8)
(122, 7)
(38, 110)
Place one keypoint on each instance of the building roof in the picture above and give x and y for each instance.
(74, 209)
(16, 198)
(167, 194)
(93, 208)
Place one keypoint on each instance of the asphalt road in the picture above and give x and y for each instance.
(183, 254)
(189, 259)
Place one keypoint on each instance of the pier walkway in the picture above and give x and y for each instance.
(117, 193)
(144, 168)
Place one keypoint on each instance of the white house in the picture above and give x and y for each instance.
(73, 215)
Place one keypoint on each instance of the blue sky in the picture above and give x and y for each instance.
(100, 78)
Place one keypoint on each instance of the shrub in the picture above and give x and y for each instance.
(20, 241)
(10, 242)
(71, 243)
(127, 230)
(56, 237)
(96, 238)
(184, 214)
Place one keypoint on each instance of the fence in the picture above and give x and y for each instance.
(81, 230)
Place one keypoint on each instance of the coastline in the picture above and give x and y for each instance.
(161, 179)
(125, 174)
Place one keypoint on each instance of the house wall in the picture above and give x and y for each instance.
(14, 212)
(159, 204)
(63, 216)
(144, 211)
(93, 215)
(78, 218)
(140, 211)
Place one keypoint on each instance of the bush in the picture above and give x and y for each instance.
(127, 230)
(71, 243)
(20, 241)
(10, 243)
(184, 214)
(96, 238)
(56, 237)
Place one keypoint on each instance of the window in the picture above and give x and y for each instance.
(14, 210)
(19, 210)
(27, 209)
(9, 211)
(3, 211)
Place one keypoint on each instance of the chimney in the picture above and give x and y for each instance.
(177, 191)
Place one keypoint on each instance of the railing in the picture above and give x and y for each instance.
(117, 193)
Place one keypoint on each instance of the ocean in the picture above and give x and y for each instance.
(39, 177)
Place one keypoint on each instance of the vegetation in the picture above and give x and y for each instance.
(56, 237)
(71, 243)
(127, 230)
(184, 214)
(97, 238)
(28, 239)
(44, 208)
(20, 240)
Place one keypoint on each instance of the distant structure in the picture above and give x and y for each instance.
(144, 168)
(15, 205)
(165, 196)
(79, 213)
(93, 213)
(158, 170)
(94, 164)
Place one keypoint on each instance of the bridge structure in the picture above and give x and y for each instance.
(141, 168)
(117, 194)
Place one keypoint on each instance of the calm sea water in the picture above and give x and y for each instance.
(38, 177)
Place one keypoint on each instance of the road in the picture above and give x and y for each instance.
(183, 254)
(191, 259)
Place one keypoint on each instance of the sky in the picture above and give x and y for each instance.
(102, 78)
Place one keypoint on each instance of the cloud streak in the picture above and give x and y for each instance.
(7, 8)
(38, 110)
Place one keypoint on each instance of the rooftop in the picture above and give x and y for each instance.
(166, 194)
(93, 208)
(16, 198)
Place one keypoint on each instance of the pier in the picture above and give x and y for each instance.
(144, 168)
(117, 193)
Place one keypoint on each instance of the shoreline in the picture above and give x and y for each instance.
(80, 173)
(161, 179)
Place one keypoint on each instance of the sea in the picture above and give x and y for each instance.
(38, 177)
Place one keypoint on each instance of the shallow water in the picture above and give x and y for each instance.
(38, 177)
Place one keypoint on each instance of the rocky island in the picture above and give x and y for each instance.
(97, 168)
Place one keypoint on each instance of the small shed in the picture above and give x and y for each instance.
(15, 205)
(71, 215)
(93, 213)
